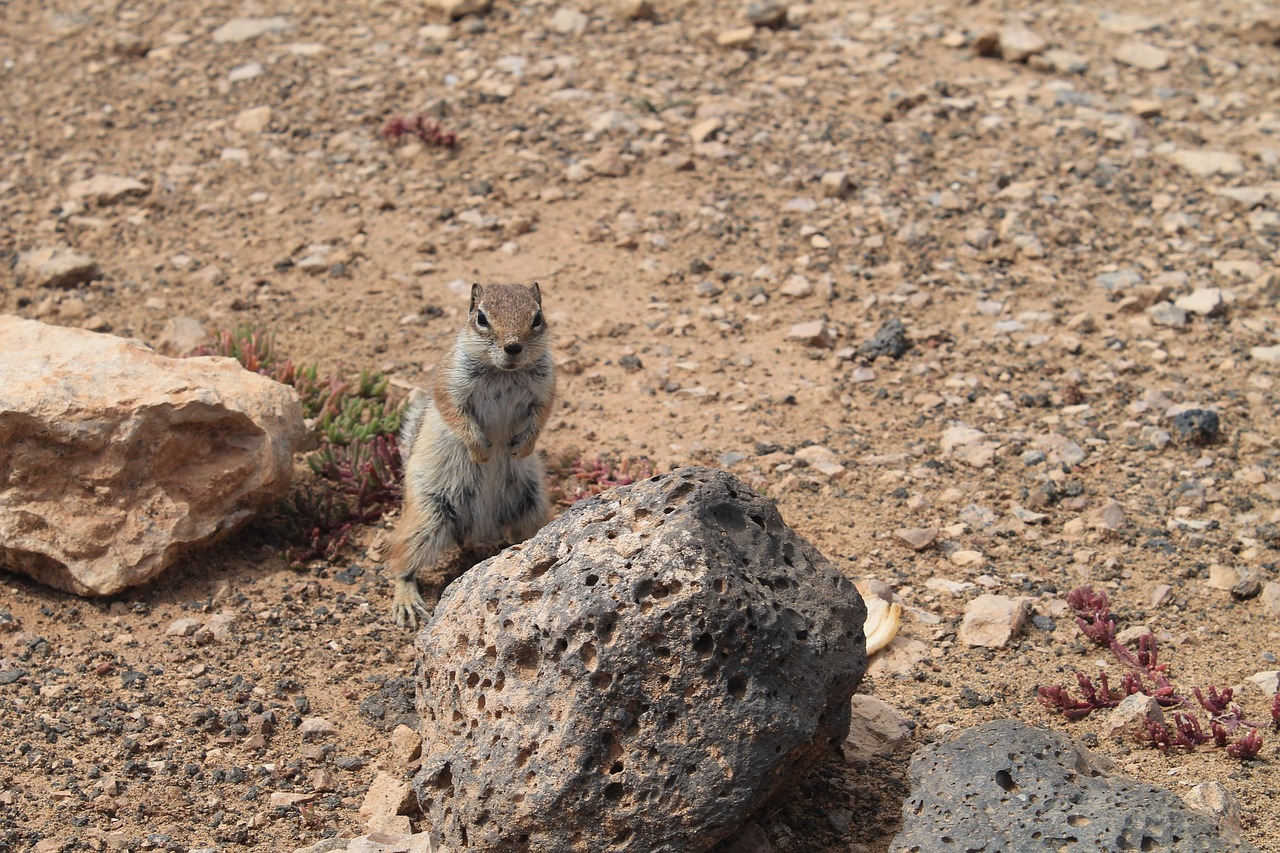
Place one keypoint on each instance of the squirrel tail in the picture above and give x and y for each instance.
(411, 422)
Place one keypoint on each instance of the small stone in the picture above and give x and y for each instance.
(917, 538)
(241, 73)
(1268, 682)
(323, 780)
(244, 29)
(890, 340)
(284, 799)
(387, 827)
(388, 795)
(406, 745)
(738, 37)
(1065, 61)
(1261, 31)
(1132, 634)
(1161, 595)
(876, 729)
(1165, 313)
(992, 621)
(705, 129)
(634, 10)
(130, 44)
(1017, 43)
(106, 189)
(814, 333)
(965, 558)
(314, 728)
(766, 13)
(183, 627)
(1140, 54)
(1223, 577)
(56, 267)
(835, 184)
(1109, 517)
(797, 287)
(822, 460)
(1206, 164)
(253, 120)
(1270, 598)
(1205, 301)
(1216, 801)
(1246, 588)
(1199, 427)
(460, 8)
(1127, 721)
(569, 22)
(1267, 355)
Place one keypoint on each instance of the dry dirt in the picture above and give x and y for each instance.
(668, 193)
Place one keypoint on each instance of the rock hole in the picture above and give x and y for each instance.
(600, 680)
(718, 586)
(591, 580)
(561, 645)
(623, 835)
(616, 767)
(538, 568)
(588, 655)
(644, 589)
(1148, 843)
(704, 645)
(613, 791)
(802, 635)
(727, 515)
(605, 632)
(529, 595)
(738, 686)
(612, 534)
(480, 702)
(473, 679)
(525, 657)
(522, 757)
(1077, 820)
(640, 513)
(443, 779)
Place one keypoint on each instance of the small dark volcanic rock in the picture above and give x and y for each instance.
(1005, 786)
(1196, 426)
(640, 676)
(891, 340)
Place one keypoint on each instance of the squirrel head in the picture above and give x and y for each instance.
(505, 325)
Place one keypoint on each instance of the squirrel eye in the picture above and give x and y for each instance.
(537, 319)
(481, 320)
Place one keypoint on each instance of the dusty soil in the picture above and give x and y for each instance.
(668, 193)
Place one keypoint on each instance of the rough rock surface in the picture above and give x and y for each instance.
(663, 656)
(114, 460)
(1008, 786)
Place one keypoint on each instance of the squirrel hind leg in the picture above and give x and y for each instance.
(421, 537)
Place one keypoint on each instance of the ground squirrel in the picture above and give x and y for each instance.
(471, 475)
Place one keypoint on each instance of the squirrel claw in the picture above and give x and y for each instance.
(407, 605)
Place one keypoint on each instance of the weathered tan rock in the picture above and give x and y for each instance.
(56, 266)
(1128, 720)
(115, 460)
(992, 620)
(876, 728)
(1215, 800)
(388, 795)
(106, 189)
(461, 8)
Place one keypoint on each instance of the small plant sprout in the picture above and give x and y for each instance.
(421, 126)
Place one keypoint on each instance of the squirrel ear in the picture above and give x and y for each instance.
(537, 294)
(475, 295)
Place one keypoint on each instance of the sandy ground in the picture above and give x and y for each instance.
(678, 202)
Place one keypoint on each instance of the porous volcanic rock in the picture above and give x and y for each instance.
(639, 676)
(114, 460)
(1008, 786)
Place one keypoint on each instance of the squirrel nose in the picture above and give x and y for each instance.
(513, 348)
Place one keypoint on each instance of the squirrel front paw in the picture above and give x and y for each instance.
(522, 445)
(480, 454)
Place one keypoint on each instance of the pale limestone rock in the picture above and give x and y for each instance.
(916, 538)
(56, 266)
(835, 184)
(115, 460)
(876, 728)
(406, 745)
(1215, 800)
(992, 621)
(814, 333)
(245, 29)
(1205, 301)
(1206, 164)
(1268, 682)
(253, 120)
(1127, 721)
(1271, 598)
(388, 795)
(106, 189)
(737, 37)
(1268, 355)
(1139, 54)
(1018, 43)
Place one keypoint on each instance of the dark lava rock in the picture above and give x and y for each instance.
(1196, 426)
(640, 676)
(1005, 787)
(891, 340)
